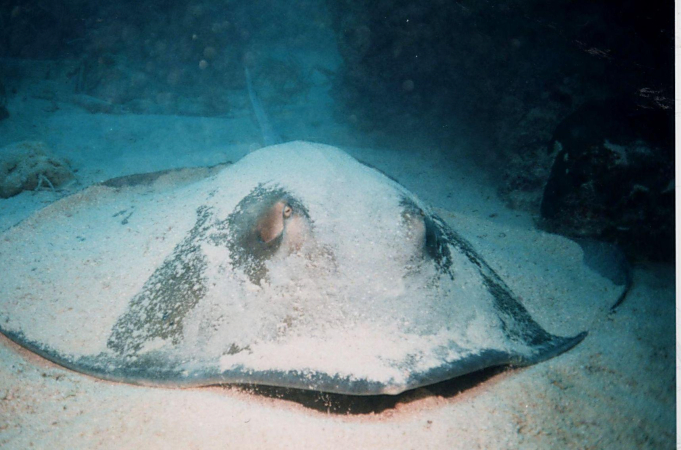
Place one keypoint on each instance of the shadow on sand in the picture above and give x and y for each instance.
(371, 404)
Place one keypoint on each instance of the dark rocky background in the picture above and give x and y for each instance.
(568, 103)
(530, 81)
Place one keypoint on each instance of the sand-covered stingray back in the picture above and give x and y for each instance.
(350, 291)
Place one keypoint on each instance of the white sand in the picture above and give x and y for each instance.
(614, 390)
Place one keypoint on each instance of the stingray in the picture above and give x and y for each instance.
(297, 266)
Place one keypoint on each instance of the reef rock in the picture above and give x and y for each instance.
(30, 165)
(613, 178)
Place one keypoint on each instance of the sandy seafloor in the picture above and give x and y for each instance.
(614, 390)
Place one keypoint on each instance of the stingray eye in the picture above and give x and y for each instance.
(287, 211)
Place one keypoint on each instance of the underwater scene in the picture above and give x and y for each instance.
(337, 224)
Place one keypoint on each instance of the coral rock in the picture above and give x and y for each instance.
(28, 165)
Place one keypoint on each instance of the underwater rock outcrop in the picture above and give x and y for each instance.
(613, 178)
(29, 165)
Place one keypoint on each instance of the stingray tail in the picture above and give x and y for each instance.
(269, 136)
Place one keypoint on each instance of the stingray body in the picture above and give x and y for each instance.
(298, 266)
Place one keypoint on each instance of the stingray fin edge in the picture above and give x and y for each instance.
(551, 348)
